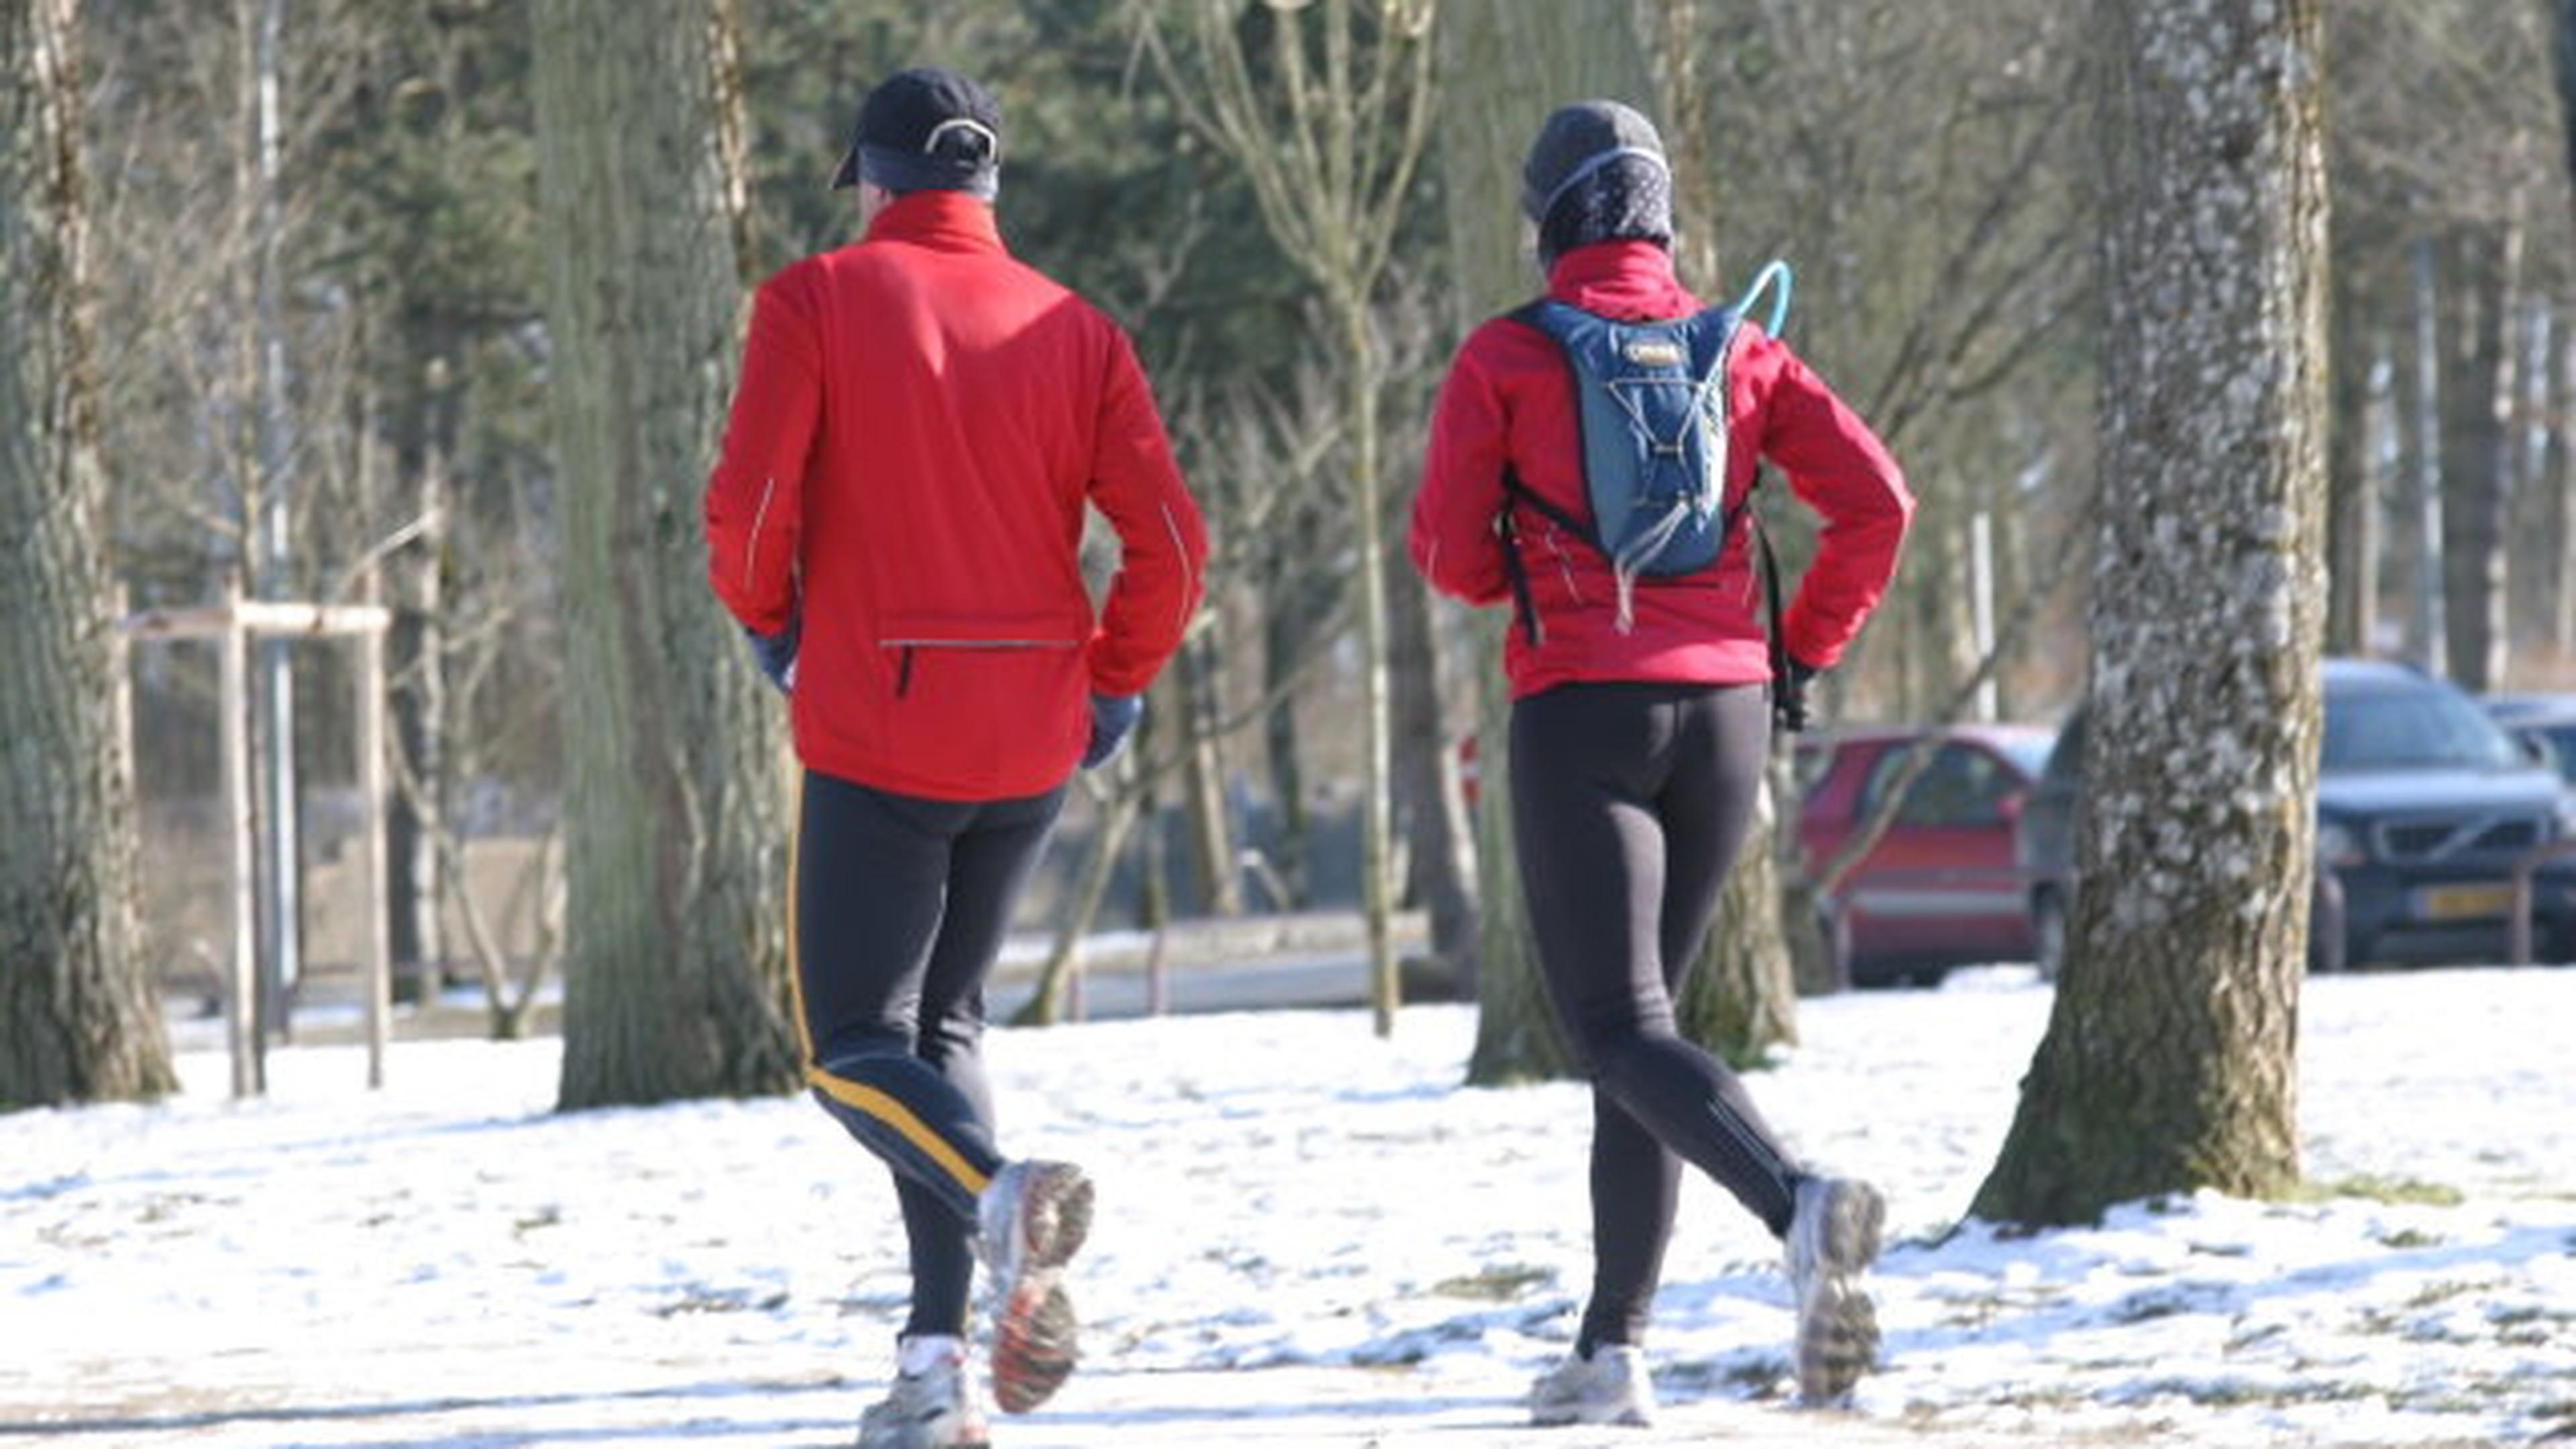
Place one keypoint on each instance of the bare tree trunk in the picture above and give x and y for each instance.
(2567, 82)
(676, 963)
(1286, 631)
(1204, 784)
(1328, 127)
(1517, 1039)
(1503, 66)
(2169, 1064)
(80, 1020)
(1742, 997)
(2558, 475)
(2476, 455)
(2352, 497)
(421, 716)
(1742, 1000)
(1433, 812)
(2428, 637)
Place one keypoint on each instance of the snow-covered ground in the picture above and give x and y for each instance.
(1308, 1236)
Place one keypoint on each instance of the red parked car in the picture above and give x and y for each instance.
(1940, 888)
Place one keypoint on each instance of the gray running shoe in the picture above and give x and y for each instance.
(936, 1408)
(1610, 1387)
(1031, 1219)
(1833, 1238)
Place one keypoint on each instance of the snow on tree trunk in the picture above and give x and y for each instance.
(675, 946)
(79, 1020)
(2169, 1060)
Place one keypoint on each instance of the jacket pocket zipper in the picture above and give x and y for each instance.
(906, 648)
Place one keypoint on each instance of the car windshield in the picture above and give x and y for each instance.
(2562, 745)
(2031, 753)
(2412, 729)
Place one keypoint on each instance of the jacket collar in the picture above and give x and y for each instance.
(942, 220)
(1629, 280)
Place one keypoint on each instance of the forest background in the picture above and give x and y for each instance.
(323, 339)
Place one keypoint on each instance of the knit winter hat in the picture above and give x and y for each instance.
(1597, 173)
(926, 129)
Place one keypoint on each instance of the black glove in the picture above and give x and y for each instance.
(1789, 696)
(1113, 719)
(776, 654)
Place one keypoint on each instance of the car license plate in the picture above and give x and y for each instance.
(2462, 902)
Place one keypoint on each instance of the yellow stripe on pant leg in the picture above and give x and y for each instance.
(795, 944)
(900, 1117)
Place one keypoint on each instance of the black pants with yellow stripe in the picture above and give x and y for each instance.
(900, 911)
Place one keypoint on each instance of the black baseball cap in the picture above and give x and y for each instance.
(926, 129)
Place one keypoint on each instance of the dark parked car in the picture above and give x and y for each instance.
(2424, 808)
(1939, 889)
(2548, 720)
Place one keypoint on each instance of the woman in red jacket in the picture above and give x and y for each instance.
(921, 425)
(1640, 725)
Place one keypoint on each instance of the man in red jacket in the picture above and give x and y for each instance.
(1640, 723)
(896, 518)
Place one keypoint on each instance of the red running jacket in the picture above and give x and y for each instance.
(1509, 399)
(920, 422)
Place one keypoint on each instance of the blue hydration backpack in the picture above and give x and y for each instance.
(1651, 401)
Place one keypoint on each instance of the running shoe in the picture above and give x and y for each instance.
(1610, 1387)
(935, 1407)
(1833, 1238)
(1031, 1219)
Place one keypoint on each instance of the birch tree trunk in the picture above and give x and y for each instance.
(79, 1019)
(675, 950)
(2169, 1062)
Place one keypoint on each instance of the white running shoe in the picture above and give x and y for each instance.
(1031, 1219)
(1610, 1387)
(1833, 1238)
(933, 1404)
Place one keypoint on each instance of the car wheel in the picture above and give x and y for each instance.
(2328, 953)
(2048, 934)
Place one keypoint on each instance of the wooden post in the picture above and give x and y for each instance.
(230, 626)
(241, 1029)
(379, 969)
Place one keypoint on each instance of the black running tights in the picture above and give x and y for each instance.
(1630, 802)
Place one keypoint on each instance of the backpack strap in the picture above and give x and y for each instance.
(1524, 604)
(1517, 494)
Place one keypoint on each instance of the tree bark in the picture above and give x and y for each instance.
(676, 962)
(1742, 997)
(2352, 478)
(2566, 47)
(2558, 477)
(79, 1017)
(1203, 786)
(1503, 66)
(1430, 807)
(2168, 1063)
(2477, 474)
